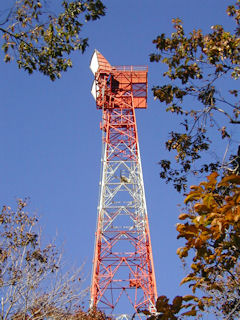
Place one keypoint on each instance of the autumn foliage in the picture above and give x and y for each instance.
(210, 227)
(200, 72)
(181, 306)
(211, 230)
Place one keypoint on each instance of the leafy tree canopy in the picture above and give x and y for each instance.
(210, 228)
(41, 39)
(202, 72)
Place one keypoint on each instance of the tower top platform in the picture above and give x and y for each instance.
(118, 82)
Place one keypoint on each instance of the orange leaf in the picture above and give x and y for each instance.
(194, 188)
(183, 216)
(188, 297)
(182, 252)
(212, 177)
(230, 179)
(201, 208)
(236, 198)
(201, 305)
(190, 313)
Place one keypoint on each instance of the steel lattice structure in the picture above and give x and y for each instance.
(123, 263)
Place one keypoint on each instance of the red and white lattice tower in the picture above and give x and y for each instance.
(123, 278)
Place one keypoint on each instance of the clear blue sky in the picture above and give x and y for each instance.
(50, 141)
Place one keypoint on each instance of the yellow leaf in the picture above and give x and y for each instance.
(184, 280)
(208, 200)
(194, 266)
(192, 196)
(198, 220)
(182, 252)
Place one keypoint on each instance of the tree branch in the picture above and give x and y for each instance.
(226, 114)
